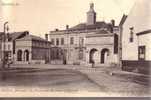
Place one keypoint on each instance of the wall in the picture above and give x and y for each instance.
(72, 55)
(8, 46)
(145, 40)
(23, 45)
(129, 49)
(100, 40)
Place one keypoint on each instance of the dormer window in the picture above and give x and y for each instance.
(131, 39)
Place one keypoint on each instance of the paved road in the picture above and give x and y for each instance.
(56, 79)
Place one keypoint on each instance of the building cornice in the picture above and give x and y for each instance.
(144, 32)
(75, 31)
(103, 44)
(99, 35)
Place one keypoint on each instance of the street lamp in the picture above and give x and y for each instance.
(5, 29)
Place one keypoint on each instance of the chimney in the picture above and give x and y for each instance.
(56, 29)
(46, 37)
(113, 22)
(26, 32)
(67, 27)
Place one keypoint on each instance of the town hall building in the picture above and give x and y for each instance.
(86, 43)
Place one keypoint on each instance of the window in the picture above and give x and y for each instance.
(9, 47)
(9, 54)
(141, 52)
(71, 40)
(52, 41)
(57, 41)
(131, 34)
(62, 41)
(14, 44)
(81, 41)
(19, 55)
(115, 44)
(57, 54)
(80, 54)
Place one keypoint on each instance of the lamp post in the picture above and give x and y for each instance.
(4, 40)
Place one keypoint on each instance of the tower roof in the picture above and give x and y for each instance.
(91, 7)
(91, 15)
(84, 26)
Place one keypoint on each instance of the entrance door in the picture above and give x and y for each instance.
(91, 55)
(19, 55)
(104, 55)
(26, 55)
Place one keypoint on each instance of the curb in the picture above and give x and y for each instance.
(130, 73)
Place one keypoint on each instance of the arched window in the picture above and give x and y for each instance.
(91, 55)
(131, 34)
(19, 55)
(104, 54)
(26, 55)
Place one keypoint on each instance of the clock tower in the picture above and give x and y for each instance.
(91, 15)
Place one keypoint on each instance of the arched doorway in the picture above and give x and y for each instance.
(26, 55)
(91, 55)
(19, 55)
(104, 55)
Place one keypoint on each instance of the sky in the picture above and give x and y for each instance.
(41, 16)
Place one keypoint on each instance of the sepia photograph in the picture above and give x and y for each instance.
(75, 48)
(94, 98)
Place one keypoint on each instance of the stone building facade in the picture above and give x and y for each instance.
(23, 48)
(86, 43)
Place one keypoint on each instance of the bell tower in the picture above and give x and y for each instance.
(91, 15)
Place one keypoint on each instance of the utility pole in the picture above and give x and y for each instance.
(4, 46)
(120, 46)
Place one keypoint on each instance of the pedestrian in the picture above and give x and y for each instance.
(8, 63)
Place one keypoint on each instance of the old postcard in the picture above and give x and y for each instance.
(75, 48)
